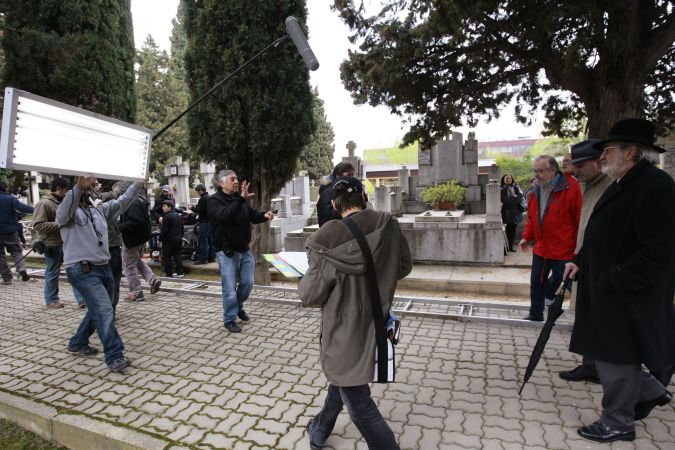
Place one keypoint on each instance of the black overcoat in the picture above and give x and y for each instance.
(624, 311)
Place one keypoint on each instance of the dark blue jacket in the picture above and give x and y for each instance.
(9, 206)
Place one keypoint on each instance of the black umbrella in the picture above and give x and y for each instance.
(554, 311)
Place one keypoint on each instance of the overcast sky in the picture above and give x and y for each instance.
(367, 126)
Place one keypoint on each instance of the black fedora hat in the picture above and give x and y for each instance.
(632, 131)
(584, 150)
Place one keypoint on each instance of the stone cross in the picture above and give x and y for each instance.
(351, 146)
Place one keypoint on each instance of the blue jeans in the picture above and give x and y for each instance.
(54, 259)
(236, 278)
(207, 251)
(97, 287)
(363, 412)
(542, 285)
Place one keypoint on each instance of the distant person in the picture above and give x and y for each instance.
(231, 218)
(136, 229)
(158, 210)
(588, 170)
(171, 237)
(553, 213)
(44, 222)
(207, 251)
(512, 208)
(114, 239)
(324, 208)
(336, 282)
(84, 230)
(567, 167)
(625, 317)
(9, 238)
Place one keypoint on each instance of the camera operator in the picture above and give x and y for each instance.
(84, 231)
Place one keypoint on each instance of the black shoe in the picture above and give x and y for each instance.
(312, 445)
(86, 351)
(155, 286)
(232, 327)
(600, 432)
(580, 373)
(24, 275)
(243, 316)
(529, 317)
(643, 409)
(119, 365)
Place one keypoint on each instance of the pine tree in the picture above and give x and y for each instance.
(258, 122)
(317, 156)
(161, 97)
(77, 52)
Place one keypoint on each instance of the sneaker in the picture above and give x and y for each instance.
(139, 297)
(119, 365)
(232, 327)
(243, 316)
(86, 351)
(155, 286)
(24, 275)
(180, 275)
(55, 305)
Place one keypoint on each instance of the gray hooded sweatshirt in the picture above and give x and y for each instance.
(336, 281)
(84, 230)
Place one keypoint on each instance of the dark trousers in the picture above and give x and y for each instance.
(207, 251)
(363, 412)
(624, 386)
(116, 267)
(545, 278)
(511, 234)
(171, 253)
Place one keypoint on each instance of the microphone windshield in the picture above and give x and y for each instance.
(295, 32)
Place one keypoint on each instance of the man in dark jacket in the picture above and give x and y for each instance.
(9, 238)
(324, 207)
(231, 218)
(624, 312)
(171, 236)
(207, 251)
(136, 230)
(157, 211)
(553, 214)
(335, 281)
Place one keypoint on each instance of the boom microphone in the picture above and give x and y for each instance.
(300, 41)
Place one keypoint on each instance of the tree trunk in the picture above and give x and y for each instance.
(610, 103)
(261, 233)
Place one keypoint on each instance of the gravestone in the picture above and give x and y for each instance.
(177, 172)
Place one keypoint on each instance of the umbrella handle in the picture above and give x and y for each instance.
(563, 285)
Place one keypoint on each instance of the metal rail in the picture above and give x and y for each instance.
(461, 310)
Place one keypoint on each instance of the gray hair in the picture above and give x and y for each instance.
(223, 174)
(550, 160)
(646, 153)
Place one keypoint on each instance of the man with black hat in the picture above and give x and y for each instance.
(157, 211)
(336, 282)
(624, 313)
(588, 170)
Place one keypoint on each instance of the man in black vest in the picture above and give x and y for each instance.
(624, 315)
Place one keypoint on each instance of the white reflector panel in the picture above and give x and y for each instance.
(48, 136)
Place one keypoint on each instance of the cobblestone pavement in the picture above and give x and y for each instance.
(196, 385)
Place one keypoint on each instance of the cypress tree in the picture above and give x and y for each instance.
(78, 52)
(258, 122)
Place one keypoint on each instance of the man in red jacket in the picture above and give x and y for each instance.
(553, 214)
